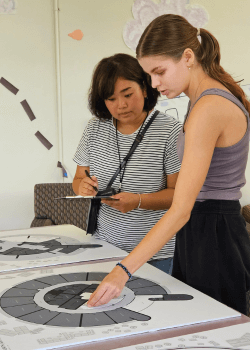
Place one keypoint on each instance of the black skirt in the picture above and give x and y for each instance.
(212, 252)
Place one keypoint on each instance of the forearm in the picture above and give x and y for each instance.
(158, 200)
(79, 176)
(156, 238)
(75, 185)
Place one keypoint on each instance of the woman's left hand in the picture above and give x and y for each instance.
(110, 288)
(127, 201)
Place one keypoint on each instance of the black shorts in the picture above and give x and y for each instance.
(212, 252)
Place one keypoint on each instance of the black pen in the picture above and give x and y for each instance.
(87, 173)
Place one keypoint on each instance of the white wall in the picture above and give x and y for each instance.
(102, 23)
(229, 21)
(27, 60)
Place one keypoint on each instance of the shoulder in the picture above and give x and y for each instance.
(217, 104)
(211, 108)
(96, 123)
(208, 115)
(167, 121)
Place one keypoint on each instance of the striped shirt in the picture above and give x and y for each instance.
(146, 170)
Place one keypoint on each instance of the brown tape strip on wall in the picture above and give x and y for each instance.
(28, 110)
(64, 172)
(43, 140)
(9, 86)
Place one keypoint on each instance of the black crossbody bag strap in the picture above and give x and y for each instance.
(136, 142)
(95, 202)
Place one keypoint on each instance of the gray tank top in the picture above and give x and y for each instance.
(226, 174)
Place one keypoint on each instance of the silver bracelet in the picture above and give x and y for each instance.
(139, 201)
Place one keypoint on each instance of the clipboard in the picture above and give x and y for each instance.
(88, 197)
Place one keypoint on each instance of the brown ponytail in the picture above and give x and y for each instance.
(169, 35)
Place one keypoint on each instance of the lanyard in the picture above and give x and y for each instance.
(120, 166)
(136, 142)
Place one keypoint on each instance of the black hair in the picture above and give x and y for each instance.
(105, 75)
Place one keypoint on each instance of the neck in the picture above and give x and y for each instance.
(198, 83)
(129, 127)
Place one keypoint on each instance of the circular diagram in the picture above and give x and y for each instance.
(26, 247)
(58, 300)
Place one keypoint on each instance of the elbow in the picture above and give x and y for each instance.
(183, 213)
(185, 218)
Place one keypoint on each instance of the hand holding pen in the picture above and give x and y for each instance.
(94, 187)
(88, 185)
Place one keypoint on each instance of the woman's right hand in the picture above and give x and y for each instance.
(86, 186)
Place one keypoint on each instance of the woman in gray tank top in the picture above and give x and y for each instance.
(212, 245)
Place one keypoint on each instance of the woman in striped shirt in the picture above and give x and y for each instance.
(122, 102)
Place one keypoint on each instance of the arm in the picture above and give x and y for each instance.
(203, 129)
(83, 185)
(162, 199)
(152, 201)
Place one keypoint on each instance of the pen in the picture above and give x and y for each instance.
(87, 173)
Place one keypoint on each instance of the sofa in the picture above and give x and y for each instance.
(51, 211)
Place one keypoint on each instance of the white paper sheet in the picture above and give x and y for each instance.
(51, 245)
(44, 309)
(233, 337)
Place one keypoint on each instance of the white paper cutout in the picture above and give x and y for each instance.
(145, 11)
(8, 7)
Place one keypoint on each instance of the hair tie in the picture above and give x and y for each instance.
(199, 35)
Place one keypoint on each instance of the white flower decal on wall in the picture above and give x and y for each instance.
(8, 7)
(144, 11)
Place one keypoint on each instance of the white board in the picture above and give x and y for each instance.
(46, 309)
(175, 107)
(233, 337)
(51, 245)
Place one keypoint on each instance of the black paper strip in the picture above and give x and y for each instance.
(43, 140)
(28, 110)
(9, 86)
(64, 172)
